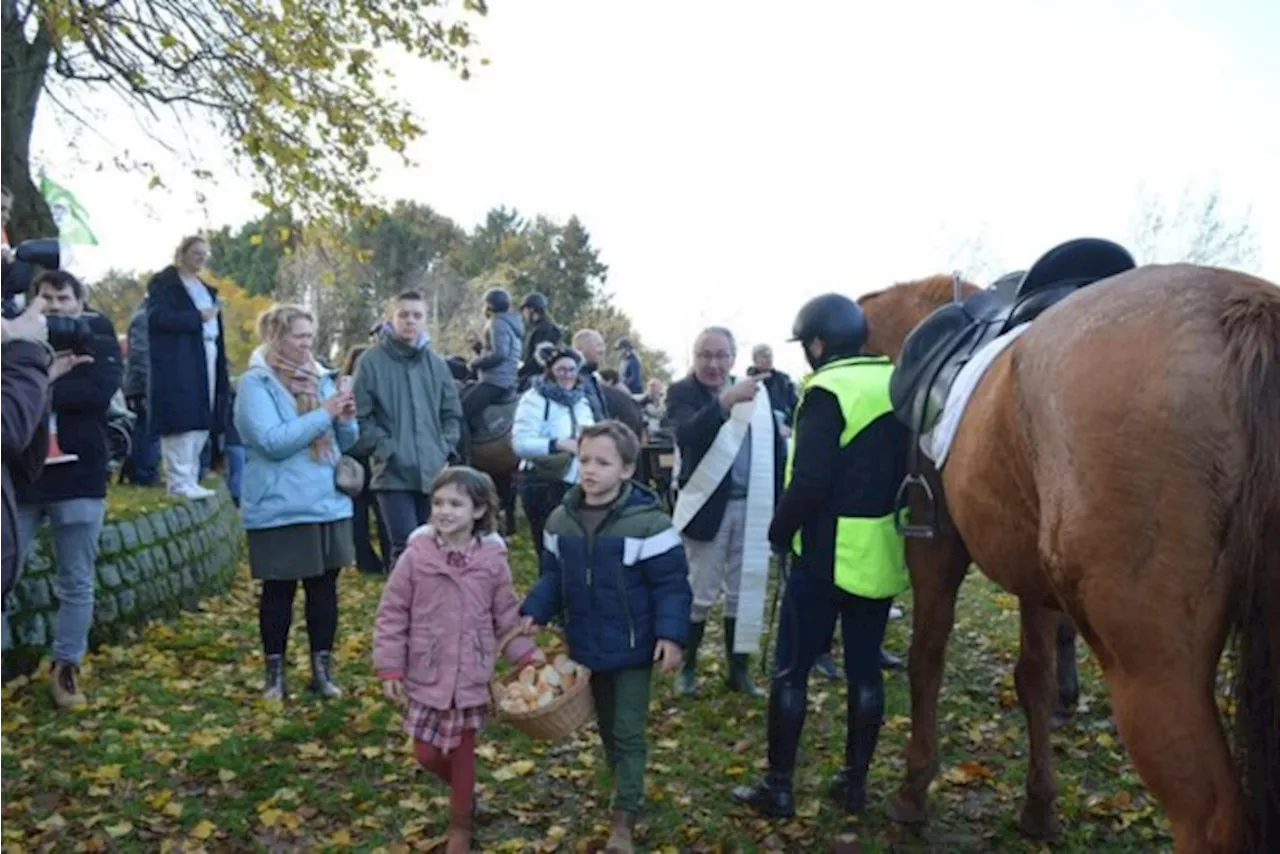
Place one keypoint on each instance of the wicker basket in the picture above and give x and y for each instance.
(565, 714)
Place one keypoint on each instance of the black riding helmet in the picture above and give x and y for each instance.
(535, 301)
(837, 320)
(497, 300)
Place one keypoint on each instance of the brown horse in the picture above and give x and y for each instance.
(1121, 461)
(498, 460)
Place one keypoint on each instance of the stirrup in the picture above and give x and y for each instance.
(926, 529)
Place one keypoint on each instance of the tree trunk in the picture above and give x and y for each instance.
(25, 65)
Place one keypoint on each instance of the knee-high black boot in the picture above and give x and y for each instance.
(687, 681)
(739, 666)
(865, 714)
(773, 796)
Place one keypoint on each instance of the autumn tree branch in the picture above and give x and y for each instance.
(293, 85)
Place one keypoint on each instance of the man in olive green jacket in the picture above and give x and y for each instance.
(410, 418)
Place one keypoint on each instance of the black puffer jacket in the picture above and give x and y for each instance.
(542, 331)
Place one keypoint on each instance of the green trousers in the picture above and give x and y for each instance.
(622, 710)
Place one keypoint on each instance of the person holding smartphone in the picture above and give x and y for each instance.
(296, 423)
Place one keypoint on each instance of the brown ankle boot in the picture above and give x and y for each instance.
(66, 690)
(459, 838)
(620, 833)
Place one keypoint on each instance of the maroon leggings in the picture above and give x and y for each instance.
(457, 768)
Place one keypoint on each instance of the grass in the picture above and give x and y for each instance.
(177, 752)
(124, 500)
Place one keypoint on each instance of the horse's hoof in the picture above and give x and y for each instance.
(904, 810)
(1039, 824)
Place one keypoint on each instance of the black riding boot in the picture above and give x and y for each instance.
(687, 682)
(773, 796)
(1068, 674)
(865, 711)
(739, 666)
(889, 661)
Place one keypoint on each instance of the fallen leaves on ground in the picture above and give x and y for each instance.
(178, 752)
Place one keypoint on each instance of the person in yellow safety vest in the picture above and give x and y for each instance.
(836, 517)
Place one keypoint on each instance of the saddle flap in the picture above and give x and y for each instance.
(923, 352)
(496, 420)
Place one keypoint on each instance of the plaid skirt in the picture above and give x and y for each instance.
(442, 728)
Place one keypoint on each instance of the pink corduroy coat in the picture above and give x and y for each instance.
(438, 624)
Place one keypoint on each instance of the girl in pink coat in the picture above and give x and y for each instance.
(435, 639)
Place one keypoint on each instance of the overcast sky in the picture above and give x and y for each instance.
(731, 163)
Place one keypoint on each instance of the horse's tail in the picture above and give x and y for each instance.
(1251, 323)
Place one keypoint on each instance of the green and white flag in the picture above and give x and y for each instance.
(71, 217)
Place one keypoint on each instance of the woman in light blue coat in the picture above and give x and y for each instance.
(294, 423)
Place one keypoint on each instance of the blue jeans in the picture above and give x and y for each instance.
(810, 607)
(144, 456)
(235, 471)
(76, 525)
(403, 510)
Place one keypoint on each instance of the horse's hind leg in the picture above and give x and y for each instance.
(1068, 673)
(1171, 727)
(1034, 678)
(936, 575)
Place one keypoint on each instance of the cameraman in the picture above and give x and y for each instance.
(25, 362)
(72, 494)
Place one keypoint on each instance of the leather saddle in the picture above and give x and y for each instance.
(496, 419)
(944, 342)
(936, 350)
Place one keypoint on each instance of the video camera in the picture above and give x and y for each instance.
(29, 257)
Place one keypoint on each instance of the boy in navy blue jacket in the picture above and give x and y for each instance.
(614, 566)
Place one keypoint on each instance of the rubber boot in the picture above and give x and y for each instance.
(773, 796)
(865, 714)
(1068, 674)
(687, 681)
(620, 841)
(274, 687)
(322, 675)
(739, 664)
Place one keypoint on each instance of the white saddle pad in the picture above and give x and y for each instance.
(937, 442)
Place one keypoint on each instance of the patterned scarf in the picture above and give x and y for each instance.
(303, 382)
(556, 393)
